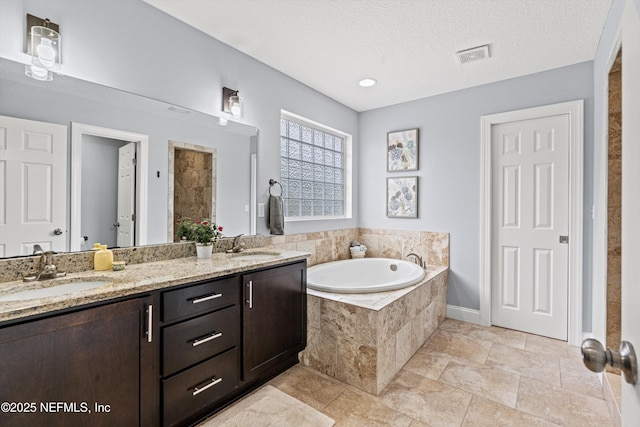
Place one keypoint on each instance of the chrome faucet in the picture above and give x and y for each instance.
(237, 246)
(417, 259)
(46, 268)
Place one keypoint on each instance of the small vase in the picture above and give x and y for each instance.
(204, 250)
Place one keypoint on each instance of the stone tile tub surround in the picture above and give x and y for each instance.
(365, 339)
(333, 245)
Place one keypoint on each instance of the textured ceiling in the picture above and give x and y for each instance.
(409, 46)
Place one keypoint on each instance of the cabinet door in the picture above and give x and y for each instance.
(274, 318)
(81, 368)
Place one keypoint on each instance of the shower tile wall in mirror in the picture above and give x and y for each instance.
(114, 145)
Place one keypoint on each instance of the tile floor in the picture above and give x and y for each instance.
(467, 375)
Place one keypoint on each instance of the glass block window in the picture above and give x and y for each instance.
(312, 170)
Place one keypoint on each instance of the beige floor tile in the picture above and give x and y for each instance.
(459, 345)
(560, 406)
(425, 400)
(487, 333)
(485, 413)
(429, 364)
(542, 345)
(541, 367)
(456, 326)
(546, 382)
(576, 377)
(353, 409)
(500, 336)
(482, 380)
(290, 376)
(313, 388)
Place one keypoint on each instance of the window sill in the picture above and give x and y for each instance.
(315, 218)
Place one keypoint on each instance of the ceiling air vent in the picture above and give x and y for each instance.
(473, 54)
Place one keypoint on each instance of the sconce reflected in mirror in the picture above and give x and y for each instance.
(231, 102)
(44, 46)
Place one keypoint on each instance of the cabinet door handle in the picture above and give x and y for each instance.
(250, 300)
(207, 298)
(214, 381)
(213, 336)
(150, 323)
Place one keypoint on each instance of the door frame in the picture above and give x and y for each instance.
(142, 181)
(575, 110)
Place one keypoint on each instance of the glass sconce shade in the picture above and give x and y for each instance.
(235, 104)
(231, 102)
(45, 48)
(38, 73)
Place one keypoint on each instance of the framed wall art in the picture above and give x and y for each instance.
(402, 150)
(402, 197)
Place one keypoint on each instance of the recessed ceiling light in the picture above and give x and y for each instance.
(367, 82)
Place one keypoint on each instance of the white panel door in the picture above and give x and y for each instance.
(126, 194)
(33, 189)
(530, 205)
(631, 202)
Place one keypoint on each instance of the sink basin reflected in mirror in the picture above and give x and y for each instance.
(256, 255)
(56, 290)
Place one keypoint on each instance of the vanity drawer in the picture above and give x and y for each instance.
(191, 341)
(198, 388)
(199, 298)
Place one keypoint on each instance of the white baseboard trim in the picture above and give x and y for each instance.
(465, 314)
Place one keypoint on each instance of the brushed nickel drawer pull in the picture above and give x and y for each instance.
(150, 323)
(197, 391)
(250, 300)
(213, 336)
(207, 298)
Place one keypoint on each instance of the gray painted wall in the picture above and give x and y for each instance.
(449, 150)
(132, 46)
(99, 190)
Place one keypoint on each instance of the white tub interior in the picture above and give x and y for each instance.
(364, 275)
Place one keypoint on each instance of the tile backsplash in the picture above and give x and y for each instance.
(324, 246)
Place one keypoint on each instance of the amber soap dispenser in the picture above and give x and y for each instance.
(103, 259)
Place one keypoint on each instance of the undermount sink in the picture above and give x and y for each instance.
(56, 290)
(256, 255)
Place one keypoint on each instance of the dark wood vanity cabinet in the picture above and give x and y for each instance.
(252, 328)
(170, 358)
(87, 367)
(200, 348)
(274, 320)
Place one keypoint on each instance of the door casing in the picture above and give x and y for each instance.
(142, 180)
(575, 110)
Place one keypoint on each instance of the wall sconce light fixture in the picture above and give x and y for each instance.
(44, 46)
(231, 102)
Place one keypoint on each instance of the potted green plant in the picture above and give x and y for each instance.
(185, 225)
(204, 233)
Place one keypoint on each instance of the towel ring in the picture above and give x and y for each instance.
(273, 182)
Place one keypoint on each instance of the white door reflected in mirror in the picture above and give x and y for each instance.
(33, 186)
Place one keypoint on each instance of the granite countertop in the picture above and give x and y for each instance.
(136, 278)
